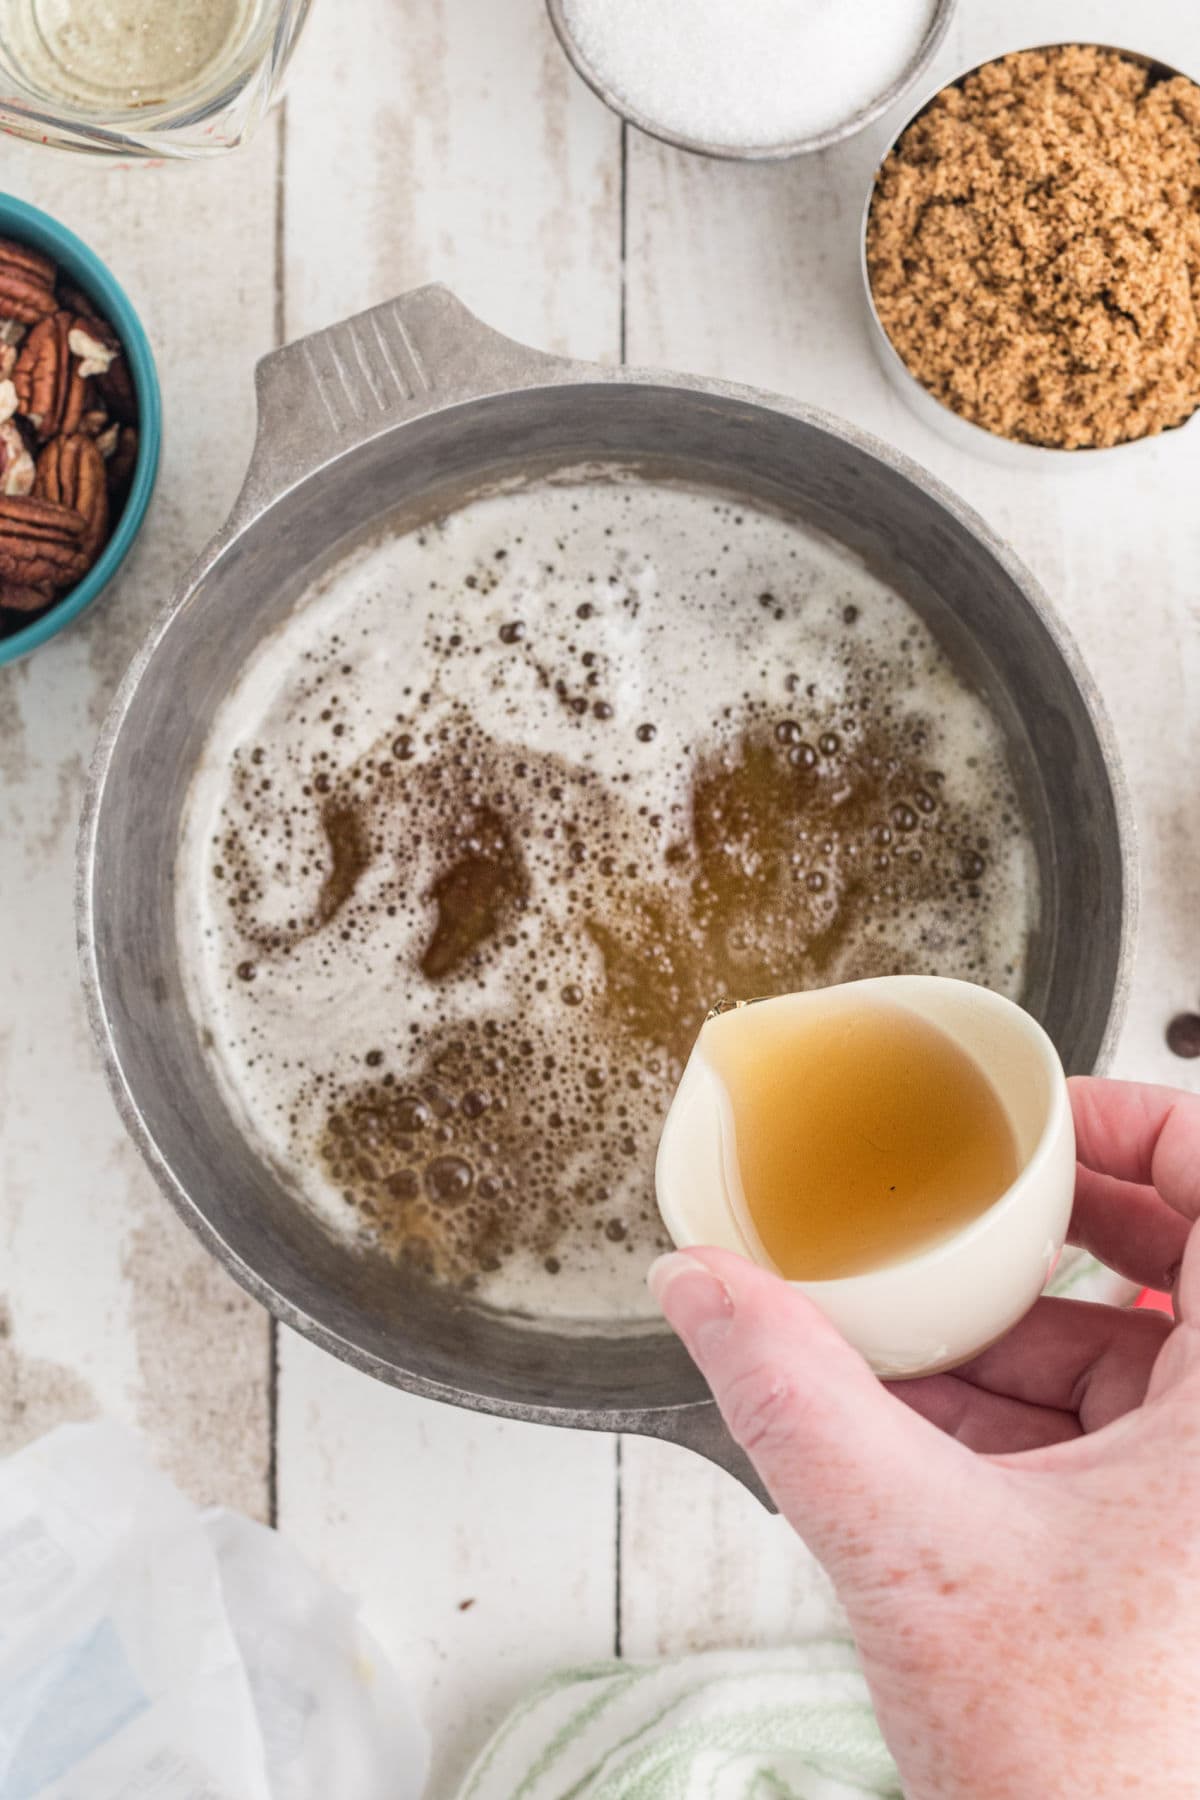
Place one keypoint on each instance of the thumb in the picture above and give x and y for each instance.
(848, 1465)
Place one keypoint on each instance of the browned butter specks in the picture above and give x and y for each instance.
(566, 933)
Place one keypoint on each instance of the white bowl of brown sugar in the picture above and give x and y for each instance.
(1031, 254)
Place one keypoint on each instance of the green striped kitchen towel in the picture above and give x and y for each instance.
(727, 1725)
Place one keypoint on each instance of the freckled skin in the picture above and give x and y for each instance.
(1015, 1543)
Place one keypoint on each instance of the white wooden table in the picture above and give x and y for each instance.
(447, 139)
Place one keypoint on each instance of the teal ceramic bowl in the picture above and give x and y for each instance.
(26, 225)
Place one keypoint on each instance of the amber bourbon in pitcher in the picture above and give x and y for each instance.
(855, 1136)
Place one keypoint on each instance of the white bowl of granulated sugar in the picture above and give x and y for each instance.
(760, 79)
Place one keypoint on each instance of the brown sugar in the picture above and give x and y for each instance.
(1034, 248)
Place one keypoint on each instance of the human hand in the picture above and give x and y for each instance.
(1016, 1544)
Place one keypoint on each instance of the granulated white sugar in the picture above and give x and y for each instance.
(748, 73)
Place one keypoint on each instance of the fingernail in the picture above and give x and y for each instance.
(696, 1302)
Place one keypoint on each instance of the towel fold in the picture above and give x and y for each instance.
(727, 1725)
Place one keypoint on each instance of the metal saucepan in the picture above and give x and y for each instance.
(405, 412)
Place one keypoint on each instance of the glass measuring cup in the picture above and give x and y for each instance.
(143, 78)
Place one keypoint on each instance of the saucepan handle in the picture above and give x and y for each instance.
(701, 1428)
(329, 393)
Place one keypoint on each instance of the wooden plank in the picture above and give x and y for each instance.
(109, 1304)
(450, 142)
(753, 274)
(481, 1551)
(703, 1565)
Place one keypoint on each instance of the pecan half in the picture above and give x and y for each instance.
(76, 301)
(24, 597)
(40, 543)
(121, 464)
(116, 387)
(16, 464)
(51, 392)
(26, 283)
(34, 564)
(113, 380)
(40, 518)
(71, 473)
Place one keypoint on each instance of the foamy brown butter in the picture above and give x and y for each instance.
(510, 802)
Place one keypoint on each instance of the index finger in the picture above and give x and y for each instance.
(1146, 1135)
